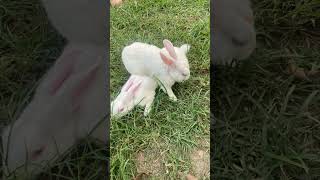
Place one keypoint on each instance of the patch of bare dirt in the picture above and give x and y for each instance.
(151, 162)
(200, 160)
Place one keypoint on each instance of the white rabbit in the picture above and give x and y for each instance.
(233, 30)
(168, 65)
(69, 102)
(138, 90)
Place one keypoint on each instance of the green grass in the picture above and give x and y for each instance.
(173, 129)
(267, 122)
(28, 47)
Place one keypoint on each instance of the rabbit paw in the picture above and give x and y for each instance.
(173, 98)
(146, 112)
(147, 109)
(233, 29)
(163, 89)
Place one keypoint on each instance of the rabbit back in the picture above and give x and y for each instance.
(142, 59)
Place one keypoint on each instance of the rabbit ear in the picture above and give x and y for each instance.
(165, 59)
(63, 70)
(185, 48)
(83, 81)
(132, 92)
(169, 47)
(128, 84)
(133, 89)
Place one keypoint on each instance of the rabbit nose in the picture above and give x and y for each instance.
(185, 74)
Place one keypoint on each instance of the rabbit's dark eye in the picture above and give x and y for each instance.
(37, 152)
(121, 109)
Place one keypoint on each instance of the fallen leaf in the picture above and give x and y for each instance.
(200, 162)
(187, 177)
(115, 2)
(301, 73)
(141, 176)
(190, 177)
(314, 73)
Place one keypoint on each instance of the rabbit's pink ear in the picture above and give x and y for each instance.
(61, 78)
(83, 82)
(169, 47)
(165, 59)
(127, 85)
(130, 93)
(133, 89)
(63, 69)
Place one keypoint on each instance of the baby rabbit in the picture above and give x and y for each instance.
(138, 90)
(168, 65)
(66, 107)
(233, 30)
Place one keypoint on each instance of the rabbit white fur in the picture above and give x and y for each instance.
(67, 105)
(168, 65)
(233, 30)
(138, 90)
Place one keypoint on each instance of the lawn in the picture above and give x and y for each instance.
(176, 134)
(267, 121)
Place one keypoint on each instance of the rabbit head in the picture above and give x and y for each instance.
(47, 126)
(176, 60)
(234, 31)
(125, 100)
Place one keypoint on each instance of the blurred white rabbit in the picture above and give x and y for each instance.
(168, 65)
(138, 90)
(69, 102)
(82, 21)
(233, 30)
(85, 21)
